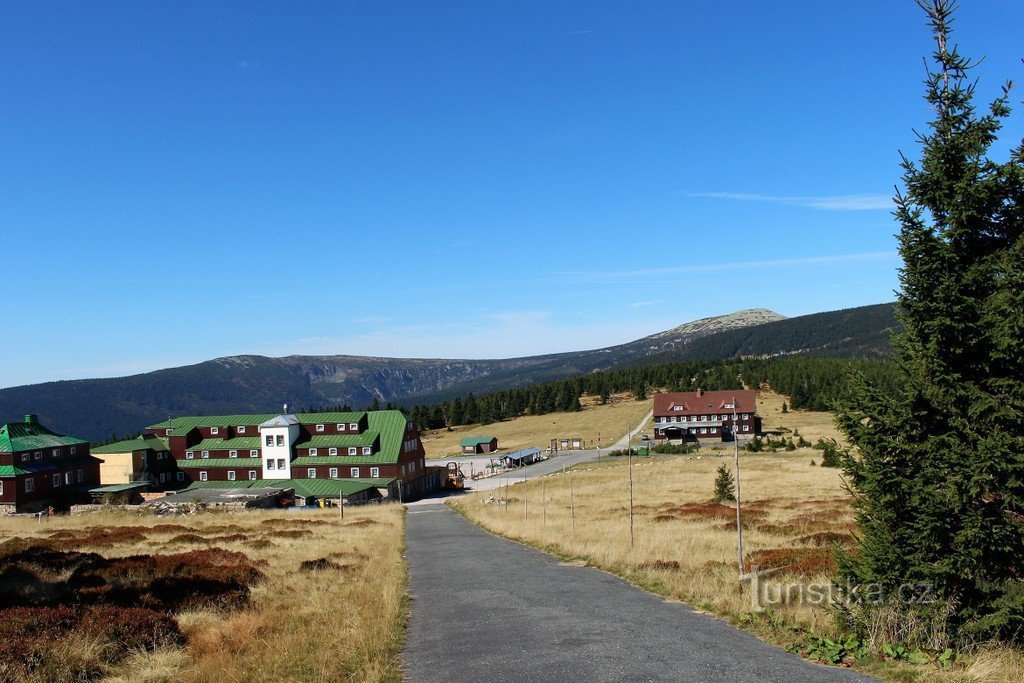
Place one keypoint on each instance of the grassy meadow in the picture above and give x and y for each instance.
(610, 421)
(684, 546)
(317, 598)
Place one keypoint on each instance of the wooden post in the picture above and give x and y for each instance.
(572, 502)
(739, 526)
(526, 496)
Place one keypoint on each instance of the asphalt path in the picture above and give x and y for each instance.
(488, 609)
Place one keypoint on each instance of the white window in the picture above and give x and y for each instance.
(241, 429)
(55, 452)
(673, 418)
(161, 477)
(375, 472)
(746, 428)
(79, 476)
(311, 473)
(202, 475)
(354, 472)
(73, 450)
(333, 473)
(232, 454)
(280, 463)
(353, 426)
(1, 487)
(24, 457)
(367, 450)
(231, 475)
(270, 440)
(703, 430)
(56, 480)
(319, 428)
(254, 453)
(312, 451)
(206, 454)
(333, 451)
(181, 476)
(160, 456)
(746, 416)
(30, 485)
(412, 467)
(341, 428)
(403, 470)
(280, 439)
(252, 475)
(270, 464)
(38, 455)
(677, 407)
(352, 451)
(215, 430)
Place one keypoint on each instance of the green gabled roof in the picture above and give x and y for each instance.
(367, 438)
(142, 443)
(331, 488)
(237, 484)
(25, 436)
(47, 465)
(303, 487)
(329, 418)
(221, 462)
(118, 488)
(239, 443)
(183, 425)
(11, 471)
(355, 460)
(475, 440)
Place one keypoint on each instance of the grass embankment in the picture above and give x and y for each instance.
(341, 619)
(609, 421)
(685, 545)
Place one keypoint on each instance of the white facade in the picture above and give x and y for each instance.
(277, 436)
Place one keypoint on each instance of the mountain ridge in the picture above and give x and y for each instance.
(97, 408)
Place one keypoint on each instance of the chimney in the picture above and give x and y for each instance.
(31, 419)
(285, 408)
(700, 392)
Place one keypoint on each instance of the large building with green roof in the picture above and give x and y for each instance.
(304, 452)
(40, 468)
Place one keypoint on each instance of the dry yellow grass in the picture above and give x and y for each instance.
(811, 424)
(685, 547)
(327, 625)
(610, 421)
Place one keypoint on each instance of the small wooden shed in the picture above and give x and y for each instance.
(474, 445)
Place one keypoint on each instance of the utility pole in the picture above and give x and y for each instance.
(526, 496)
(572, 503)
(543, 503)
(739, 526)
(629, 459)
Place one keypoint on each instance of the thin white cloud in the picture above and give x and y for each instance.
(644, 304)
(848, 202)
(659, 273)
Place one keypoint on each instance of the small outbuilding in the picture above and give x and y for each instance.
(521, 458)
(474, 445)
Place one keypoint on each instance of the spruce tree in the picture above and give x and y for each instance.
(725, 487)
(938, 466)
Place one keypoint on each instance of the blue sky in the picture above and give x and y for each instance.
(187, 180)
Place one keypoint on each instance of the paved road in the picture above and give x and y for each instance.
(487, 609)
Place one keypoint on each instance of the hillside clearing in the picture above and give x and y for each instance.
(609, 421)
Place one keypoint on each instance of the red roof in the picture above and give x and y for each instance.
(692, 403)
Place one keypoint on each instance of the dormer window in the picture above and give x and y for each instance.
(367, 450)
(341, 428)
(333, 451)
(254, 453)
(232, 454)
(319, 428)
(215, 430)
(206, 454)
(312, 451)
(73, 450)
(24, 457)
(351, 451)
(190, 455)
(353, 426)
(241, 429)
(38, 455)
(728, 405)
(55, 452)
